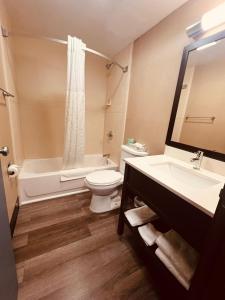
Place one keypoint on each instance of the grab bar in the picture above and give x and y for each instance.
(6, 94)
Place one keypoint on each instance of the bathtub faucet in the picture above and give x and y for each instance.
(107, 155)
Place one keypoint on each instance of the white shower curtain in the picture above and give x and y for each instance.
(75, 105)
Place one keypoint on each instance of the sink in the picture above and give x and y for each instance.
(200, 188)
(189, 178)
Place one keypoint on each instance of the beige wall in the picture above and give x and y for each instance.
(117, 97)
(9, 121)
(206, 99)
(41, 83)
(156, 60)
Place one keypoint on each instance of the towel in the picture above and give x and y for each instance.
(139, 216)
(169, 265)
(179, 252)
(149, 234)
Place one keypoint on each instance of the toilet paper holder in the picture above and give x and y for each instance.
(9, 172)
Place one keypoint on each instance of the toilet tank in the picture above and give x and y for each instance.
(126, 152)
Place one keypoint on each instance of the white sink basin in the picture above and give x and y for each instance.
(200, 188)
(188, 177)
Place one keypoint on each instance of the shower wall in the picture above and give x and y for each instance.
(117, 93)
(41, 83)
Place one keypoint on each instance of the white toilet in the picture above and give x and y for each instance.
(105, 184)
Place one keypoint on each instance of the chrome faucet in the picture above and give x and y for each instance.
(197, 160)
(107, 156)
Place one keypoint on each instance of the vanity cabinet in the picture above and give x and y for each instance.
(188, 221)
(204, 233)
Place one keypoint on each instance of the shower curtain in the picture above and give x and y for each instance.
(75, 105)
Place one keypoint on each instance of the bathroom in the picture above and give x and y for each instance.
(66, 226)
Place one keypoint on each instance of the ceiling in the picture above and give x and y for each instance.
(104, 25)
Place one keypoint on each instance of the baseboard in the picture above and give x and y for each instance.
(14, 217)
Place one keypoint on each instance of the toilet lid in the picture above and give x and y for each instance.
(105, 177)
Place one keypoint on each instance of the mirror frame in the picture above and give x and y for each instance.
(169, 142)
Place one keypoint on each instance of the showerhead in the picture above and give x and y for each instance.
(124, 69)
(108, 66)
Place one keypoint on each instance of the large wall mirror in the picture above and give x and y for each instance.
(198, 115)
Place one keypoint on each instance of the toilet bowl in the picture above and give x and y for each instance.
(104, 185)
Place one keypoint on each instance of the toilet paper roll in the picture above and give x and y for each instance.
(13, 171)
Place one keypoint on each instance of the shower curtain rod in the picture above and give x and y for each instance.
(124, 69)
(86, 49)
(6, 34)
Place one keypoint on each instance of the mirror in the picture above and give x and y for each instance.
(198, 116)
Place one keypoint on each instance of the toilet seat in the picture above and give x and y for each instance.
(104, 178)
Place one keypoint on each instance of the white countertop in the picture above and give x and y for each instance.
(204, 198)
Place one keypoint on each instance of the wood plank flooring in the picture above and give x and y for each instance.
(63, 251)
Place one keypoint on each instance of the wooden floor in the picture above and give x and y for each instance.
(63, 251)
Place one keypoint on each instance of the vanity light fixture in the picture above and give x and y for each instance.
(206, 46)
(213, 18)
(209, 20)
(194, 30)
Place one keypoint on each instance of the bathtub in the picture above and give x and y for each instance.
(42, 179)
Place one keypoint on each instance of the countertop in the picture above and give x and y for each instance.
(204, 198)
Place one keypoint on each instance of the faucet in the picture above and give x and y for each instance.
(107, 156)
(197, 160)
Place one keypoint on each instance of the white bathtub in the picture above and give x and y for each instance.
(42, 179)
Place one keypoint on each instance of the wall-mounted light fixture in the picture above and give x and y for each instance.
(209, 20)
(213, 18)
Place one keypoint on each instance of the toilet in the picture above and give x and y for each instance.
(105, 184)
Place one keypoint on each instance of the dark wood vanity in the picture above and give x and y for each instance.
(176, 212)
(201, 231)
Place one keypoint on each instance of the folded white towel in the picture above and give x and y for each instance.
(139, 216)
(179, 252)
(169, 265)
(149, 234)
